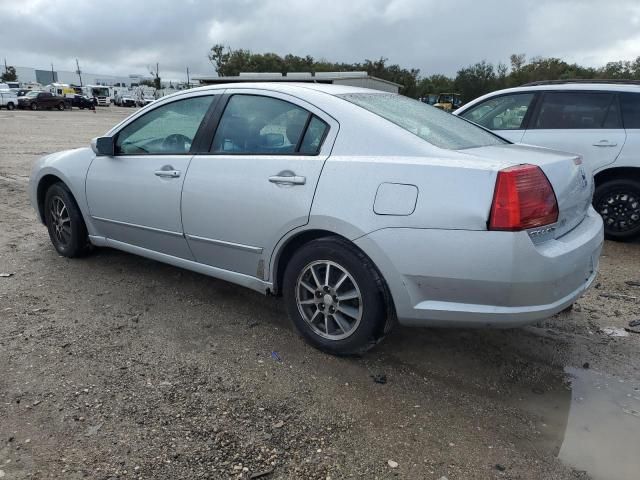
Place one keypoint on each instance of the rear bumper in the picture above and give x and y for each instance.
(481, 278)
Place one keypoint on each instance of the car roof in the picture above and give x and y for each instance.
(290, 87)
(613, 87)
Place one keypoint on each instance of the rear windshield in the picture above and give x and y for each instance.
(435, 126)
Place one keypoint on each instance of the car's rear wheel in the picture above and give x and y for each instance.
(34, 106)
(618, 202)
(335, 297)
(10, 106)
(67, 230)
(61, 106)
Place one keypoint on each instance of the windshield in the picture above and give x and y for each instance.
(100, 92)
(32, 94)
(435, 126)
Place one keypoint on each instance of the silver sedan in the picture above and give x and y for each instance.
(361, 208)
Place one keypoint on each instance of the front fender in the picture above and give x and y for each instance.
(71, 168)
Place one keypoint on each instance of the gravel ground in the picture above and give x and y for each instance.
(114, 366)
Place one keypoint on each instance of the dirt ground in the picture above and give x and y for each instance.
(114, 366)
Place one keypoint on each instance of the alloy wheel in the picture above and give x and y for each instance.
(60, 221)
(329, 299)
(620, 211)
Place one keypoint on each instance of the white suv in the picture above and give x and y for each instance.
(600, 121)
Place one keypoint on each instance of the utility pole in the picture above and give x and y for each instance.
(6, 69)
(53, 78)
(78, 71)
(188, 84)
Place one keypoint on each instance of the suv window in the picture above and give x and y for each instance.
(253, 124)
(630, 104)
(577, 110)
(505, 112)
(168, 129)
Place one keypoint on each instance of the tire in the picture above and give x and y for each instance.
(61, 106)
(10, 106)
(618, 202)
(68, 233)
(354, 323)
(33, 106)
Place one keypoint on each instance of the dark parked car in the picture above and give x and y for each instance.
(82, 102)
(41, 100)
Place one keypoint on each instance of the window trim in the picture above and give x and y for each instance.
(215, 123)
(197, 139)
(525, 120)
(544, 93)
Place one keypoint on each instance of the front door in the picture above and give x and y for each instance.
(134, 196)
(257, 182)
(586, 123)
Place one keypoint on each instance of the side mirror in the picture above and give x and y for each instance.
(103, 146)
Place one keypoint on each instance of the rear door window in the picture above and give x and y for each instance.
(261, 125)
(505, 112)
(630, 105)
(577, 110)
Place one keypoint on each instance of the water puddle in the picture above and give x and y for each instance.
(602, 434)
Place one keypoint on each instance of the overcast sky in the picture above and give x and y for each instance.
(436, 36)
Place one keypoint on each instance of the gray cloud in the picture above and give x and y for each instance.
(126, 36)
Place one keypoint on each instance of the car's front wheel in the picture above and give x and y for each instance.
(618, 202)
(10, 106)
(34, 106)
(67, 230)
(335, 297)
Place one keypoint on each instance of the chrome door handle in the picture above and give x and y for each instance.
(605, 143)
(288, 179)
(167, 173)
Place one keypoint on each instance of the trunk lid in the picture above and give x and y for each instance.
(571, 180)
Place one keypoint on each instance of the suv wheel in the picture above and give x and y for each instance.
(34, 106)
(618, 202)
(10, 106)
(335, 297)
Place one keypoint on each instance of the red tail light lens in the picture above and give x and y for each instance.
(523, 199)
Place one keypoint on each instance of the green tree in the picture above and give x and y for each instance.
(9, 75)
(475, 80)
(470, 81)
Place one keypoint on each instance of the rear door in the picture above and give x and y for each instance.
(583, 122)
(506, 115)
(258, 180)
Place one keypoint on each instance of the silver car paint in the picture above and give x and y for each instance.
(440, 263)
(219, 189)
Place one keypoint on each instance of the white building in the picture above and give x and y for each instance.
(45, 77)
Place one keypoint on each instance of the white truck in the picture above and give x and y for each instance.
(8, 99)
(100, 93)
(60, 89)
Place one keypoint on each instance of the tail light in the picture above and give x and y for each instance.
(523, 199)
